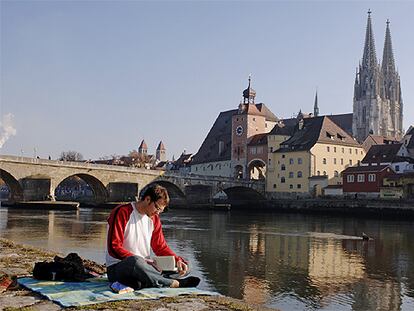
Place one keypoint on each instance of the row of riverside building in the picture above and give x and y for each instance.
(362, 153)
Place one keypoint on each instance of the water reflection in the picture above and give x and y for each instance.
(292, 262)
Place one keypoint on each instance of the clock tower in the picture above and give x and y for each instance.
(241, 132)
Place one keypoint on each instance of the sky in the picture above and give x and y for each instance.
(97, 77)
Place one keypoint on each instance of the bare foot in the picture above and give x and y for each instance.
(175, 284)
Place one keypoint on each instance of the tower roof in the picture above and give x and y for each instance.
(369, 58)
(388, 63)
(161, 146)
(143, 145)
(249, 94)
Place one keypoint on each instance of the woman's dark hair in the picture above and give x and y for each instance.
(156, 192)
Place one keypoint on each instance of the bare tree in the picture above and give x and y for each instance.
(138, 159)
(71, 156)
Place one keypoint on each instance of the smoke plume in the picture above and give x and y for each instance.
(6, 128)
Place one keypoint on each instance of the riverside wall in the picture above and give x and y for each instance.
(372, 207)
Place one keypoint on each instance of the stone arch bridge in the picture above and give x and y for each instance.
(31, 179)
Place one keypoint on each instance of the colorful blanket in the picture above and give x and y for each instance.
(71, 294)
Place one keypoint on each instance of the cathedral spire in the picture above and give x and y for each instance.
(388, 63)
(315, 106)
(369, 58)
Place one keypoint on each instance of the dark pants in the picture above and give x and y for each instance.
(135, 272)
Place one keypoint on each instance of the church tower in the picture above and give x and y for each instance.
(377, 107)
(315, 106)
(143, 148)
(160, 153)
(391, 90)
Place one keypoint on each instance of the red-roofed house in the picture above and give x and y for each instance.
(365, 180)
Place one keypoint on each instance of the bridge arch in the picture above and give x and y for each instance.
(98, 188)
(177, 196)
(240, 193)
(16, 190)
(257, 169)
(173, 190)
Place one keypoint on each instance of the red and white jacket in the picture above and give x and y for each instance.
(133, 234)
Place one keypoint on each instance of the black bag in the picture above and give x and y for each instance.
(69, 268)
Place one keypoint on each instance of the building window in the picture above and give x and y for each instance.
(282, 180)
(397, 168)
(324, 173)
(336, 174)
(356, 151)
(318, 173)
(327, 148)
(220, 147)
(350, 150)
(371, 177)
(291, 161)
(291, 186)
(350, 162)
(334, 149)
(283, 156)
(271, 149)
(270, 162)
(343, 150)
(350, 178)
(361, 177)
(283, 167)
(274, 186)
(334, 160)
(299, 186)
(290, 174)
(299, 160)
(300, 174)
(324, 160)
(342, 161)
(254, 119)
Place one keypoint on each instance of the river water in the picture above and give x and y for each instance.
(286, 261)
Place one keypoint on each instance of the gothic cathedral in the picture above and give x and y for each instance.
(378, 105)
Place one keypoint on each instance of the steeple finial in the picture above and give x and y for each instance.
(315, 106)
(369, 58)
(249, 94)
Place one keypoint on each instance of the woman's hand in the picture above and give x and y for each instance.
(182, 268)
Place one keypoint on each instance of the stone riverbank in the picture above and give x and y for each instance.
(18, 260)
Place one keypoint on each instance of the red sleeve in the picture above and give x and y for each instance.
(117, 222)
(158, 244)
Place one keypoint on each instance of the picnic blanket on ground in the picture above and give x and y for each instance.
(71, 294)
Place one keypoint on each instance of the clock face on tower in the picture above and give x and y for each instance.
(239, 130)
